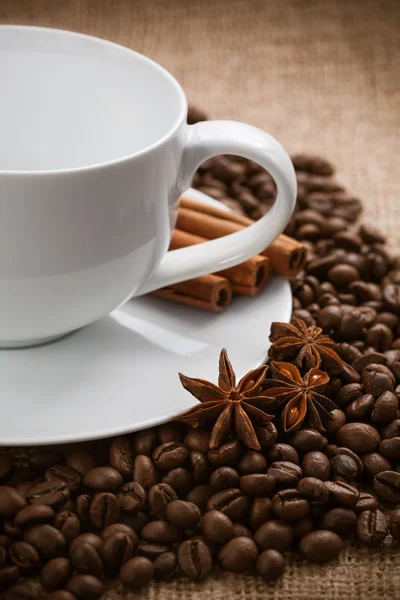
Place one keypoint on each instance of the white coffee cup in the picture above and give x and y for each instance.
(94, 154)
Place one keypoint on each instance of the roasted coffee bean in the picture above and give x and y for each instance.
(320, 546)
(224, 478)
(314, 490)
(26, 590)
(282, 452)
(377, 379)
(330, 316)
(104, 510)
(200, 466)
(121, 455)
(227, 454)
(349, 393)
(11, 501)
(270, 564)
(274, 534)
(360, 408)
(24, 555)
(197, 440)
(194, 558)
(391, 430)
(55, 573)
(42, 458)
(104, 479)
(286, 474)
(238, 555)
(144, 471)
(342, 521)
(372, 528)
(336, 421)
(257, 484)
(150, 550)
(366, 502)
(379, 336)
(64, 473)
(144, 442)
(81, 460)
(390, 448)
(371, 358)
(164, 565)
(159, 496)
(47, 540)
(67, 523)
(342, 275)
(375, 463)
(385, 408)
(169, 433)
(347, 452)
(314, 164)
(91, 539)
(160, 532)
(34, 514)
(344, 467)
(11, 530)
(85, 587)
(241, 530)
(131, 497)
(342, 493)
(266, 435)
(5, 465)
(85, 559)
(24, 487)
(305, 440)
(53, 493)
(61, 595)
(391, 297)
(359, 437)
(183, 515)
(352, 325)
(289, 505)
(260, 511)
(394, 524)
(115, 528)
(82, 508)
(170, 456)
(9, 576)
(251, 462)
(217, 527)
(231, 502)
(180, 479)
(316, 464)
(386, 486)
(200, 495)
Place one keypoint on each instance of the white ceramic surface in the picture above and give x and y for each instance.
(121, 373)
(94, 153)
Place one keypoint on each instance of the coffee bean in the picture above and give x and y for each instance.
(200, 466)
(316, 464)
(164, 565)
(161, 532)
(342, 493)
(82, 508)
(24, 487)
(349, 393)
(241, 530)
(391, 297)
(360, 408)
(194, 558)
(320, 546)
(180, 479)
(115, 528)
(65, 474)
(91, 539)
(366, 502)
(347, 452)
(231, 502)
(121, 456)
(104, 510)
(159, 496)
(26, 590)
(238, 555)
(344, 467)
(105, 479)
(200, 495)
(375, 463)
(352, 325)
(170, 456)
(342, 521)
(289, 505)
(282, 452)
(8, 576)
(359, 437)
(144, 472)
(257, 484)
(53, 493)
(67, 523)
(144, 442)
(390, 448)
(131, 497)
(286, 474)
(61, 595)
(274, 534)
(314, 490)
(224, 478)
(251, 462)
(150, 550)
(24, 555)
(55, 573)
(391, 430)
(169, 433)
(377, 379)
(260, 511)
(270, 564)
(42, 458)
(386, 486)
(85, 587)
(85, 559)
(5, 465)
(11, 530)
(394, 524)
(386, 407)
(81, 460)
(11, 501)
(372, 528)
(197, 440)
(368, 359)
(266, 435)
(227, 454)
(183, 515)
(336, 421)
(47, 540)
(34, 514)
(305, 440)
(217, 527)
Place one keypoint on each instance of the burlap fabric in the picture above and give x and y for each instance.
(322, 76)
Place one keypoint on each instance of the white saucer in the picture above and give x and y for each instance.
(120, 374)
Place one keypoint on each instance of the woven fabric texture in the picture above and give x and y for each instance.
(320, 75)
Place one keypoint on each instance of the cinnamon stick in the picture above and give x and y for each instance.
(287, 256)
(208, 292)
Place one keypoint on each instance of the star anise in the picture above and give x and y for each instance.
(300, 396)
(305, 346)
(229, 404)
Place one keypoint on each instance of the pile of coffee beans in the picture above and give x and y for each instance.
(159, 503)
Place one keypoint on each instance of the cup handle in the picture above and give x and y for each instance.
(211, 138)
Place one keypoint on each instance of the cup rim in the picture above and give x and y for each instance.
(123, 159)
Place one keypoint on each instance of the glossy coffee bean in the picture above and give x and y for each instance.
(366, 502)
(257, 484)
(231, 502)
(183, 514)
(151, 550)
(274, 534)
(260, 511)
(81, 460)
(160, 532)
(194, 558)
(372, 528)
(336, 422)
(266, 435)
(117, 549)
(180, 479)
(159, 496)
(200, 466)
(11, 501)
(251, 462)
(131, 497)
(316, 464)
(386, 486)
(47, 540)
(170, 456)
(164, 565)
(359, 437)
(104, 510)
(200, 495)
(122, 456)
(391, 430)
(24, 556)
(33, 514)
(238, 555)
(385, 408)
(112, 530)
(342, 521)
(390, 449)
(67, 523)
(227, 454)
(224, 478)
(314, 490)
(344, 467)
(306, 440)
(82, 508)
(55, 573)
(286, 474)
(85, 559)
(197, 440)
(52, 493)
(348, 394)
(375, 463)
(64, 473)
(217, 527)
(339, 451)
(271, 564)
(169, 433)
(89, 538)
(85, 587)
(360, 408)
(343, 493)
(282, 452)
(104, 479)
(377, 379)
(144, 442)
(290, 505)
(320, 546)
